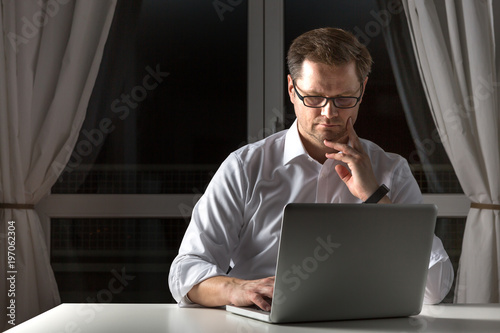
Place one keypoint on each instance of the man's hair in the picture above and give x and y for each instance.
(330, 46)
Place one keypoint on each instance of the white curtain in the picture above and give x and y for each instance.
(456, 43)
(50, 52)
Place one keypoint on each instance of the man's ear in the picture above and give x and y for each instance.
(291, 92)
(364, 88)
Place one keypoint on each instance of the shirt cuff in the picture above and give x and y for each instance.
(439, 282)
(185, 302)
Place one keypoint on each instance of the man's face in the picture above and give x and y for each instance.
(327, 123)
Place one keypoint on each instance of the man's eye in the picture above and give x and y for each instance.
(315, 101)
(346, 101)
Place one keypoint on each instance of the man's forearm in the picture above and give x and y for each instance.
(212, 292)
(223, 290)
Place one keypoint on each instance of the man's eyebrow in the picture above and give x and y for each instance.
(347, 93)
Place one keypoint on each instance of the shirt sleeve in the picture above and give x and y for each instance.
(440, 275)
(404, 188)
(212, 233)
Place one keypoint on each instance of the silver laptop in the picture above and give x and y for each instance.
(350, 261)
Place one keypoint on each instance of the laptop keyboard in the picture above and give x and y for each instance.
(255, 308)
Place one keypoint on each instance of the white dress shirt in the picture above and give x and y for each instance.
(236, 223)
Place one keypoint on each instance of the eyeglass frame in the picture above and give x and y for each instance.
(328, 98)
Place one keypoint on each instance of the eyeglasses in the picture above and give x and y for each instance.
(343, 102)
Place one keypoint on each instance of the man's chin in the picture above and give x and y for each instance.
(339, 138)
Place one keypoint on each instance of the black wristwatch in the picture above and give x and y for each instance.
(378, 195)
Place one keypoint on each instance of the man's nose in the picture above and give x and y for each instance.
(329, 110)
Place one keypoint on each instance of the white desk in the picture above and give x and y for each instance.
(138, 318)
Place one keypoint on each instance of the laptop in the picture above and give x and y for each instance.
(349, 261)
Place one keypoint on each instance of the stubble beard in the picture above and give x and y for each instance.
(314, 137)
(330, 135)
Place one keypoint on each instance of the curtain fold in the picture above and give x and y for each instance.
(117, 74)
(50, 53)
(429, 150)
(454, 43)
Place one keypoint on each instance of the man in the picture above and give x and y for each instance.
(228, 254)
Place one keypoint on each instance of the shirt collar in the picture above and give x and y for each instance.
(293, 144)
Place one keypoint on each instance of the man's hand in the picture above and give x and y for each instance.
(223, 290)
(361, 180)
(249, 292)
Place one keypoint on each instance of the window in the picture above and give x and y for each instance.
(181, 85)
(170, 102)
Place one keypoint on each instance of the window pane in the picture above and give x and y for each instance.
(381, 105)
(381, 118)
(381, 115)
(169, 103)
(114, 260)
(451, 233)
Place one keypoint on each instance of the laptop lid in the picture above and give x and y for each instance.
(350, 261)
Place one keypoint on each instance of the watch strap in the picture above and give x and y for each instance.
(378, 194)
